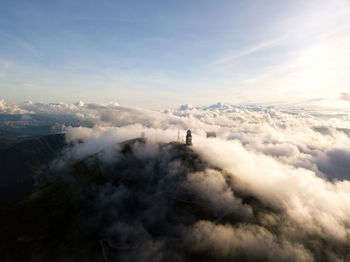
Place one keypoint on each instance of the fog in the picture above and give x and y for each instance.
(272, 185)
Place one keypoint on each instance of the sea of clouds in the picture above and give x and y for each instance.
(294, 163)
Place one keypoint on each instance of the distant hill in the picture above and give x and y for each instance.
(25, 160)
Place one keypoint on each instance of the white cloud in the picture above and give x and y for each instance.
(292, 162)
(12, 109)
(254, 242)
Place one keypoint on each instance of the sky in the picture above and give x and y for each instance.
(160, 54)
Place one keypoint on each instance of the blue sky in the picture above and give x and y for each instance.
(160, 54)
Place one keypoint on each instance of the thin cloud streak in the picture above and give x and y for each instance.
(249, 51)
(24, 44)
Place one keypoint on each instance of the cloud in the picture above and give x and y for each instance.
(272, 185)
(345, 96)
(248, 242)
(212, 188)
(228, 200)
(249, 51)
(25, 45)
(13, 109)
(335, 163)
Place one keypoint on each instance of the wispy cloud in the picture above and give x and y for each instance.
(23, 44)
(314, 59)
(231, 56)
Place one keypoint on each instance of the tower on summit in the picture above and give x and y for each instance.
(188, 138)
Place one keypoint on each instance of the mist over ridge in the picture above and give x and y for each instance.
(272, 185)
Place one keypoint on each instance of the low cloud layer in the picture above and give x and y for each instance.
(272, 185)
(229, 202)
(12, 109)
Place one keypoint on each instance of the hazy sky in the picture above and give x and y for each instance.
(165, 53)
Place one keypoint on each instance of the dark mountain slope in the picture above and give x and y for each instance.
(25, 160)
(68, 218)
